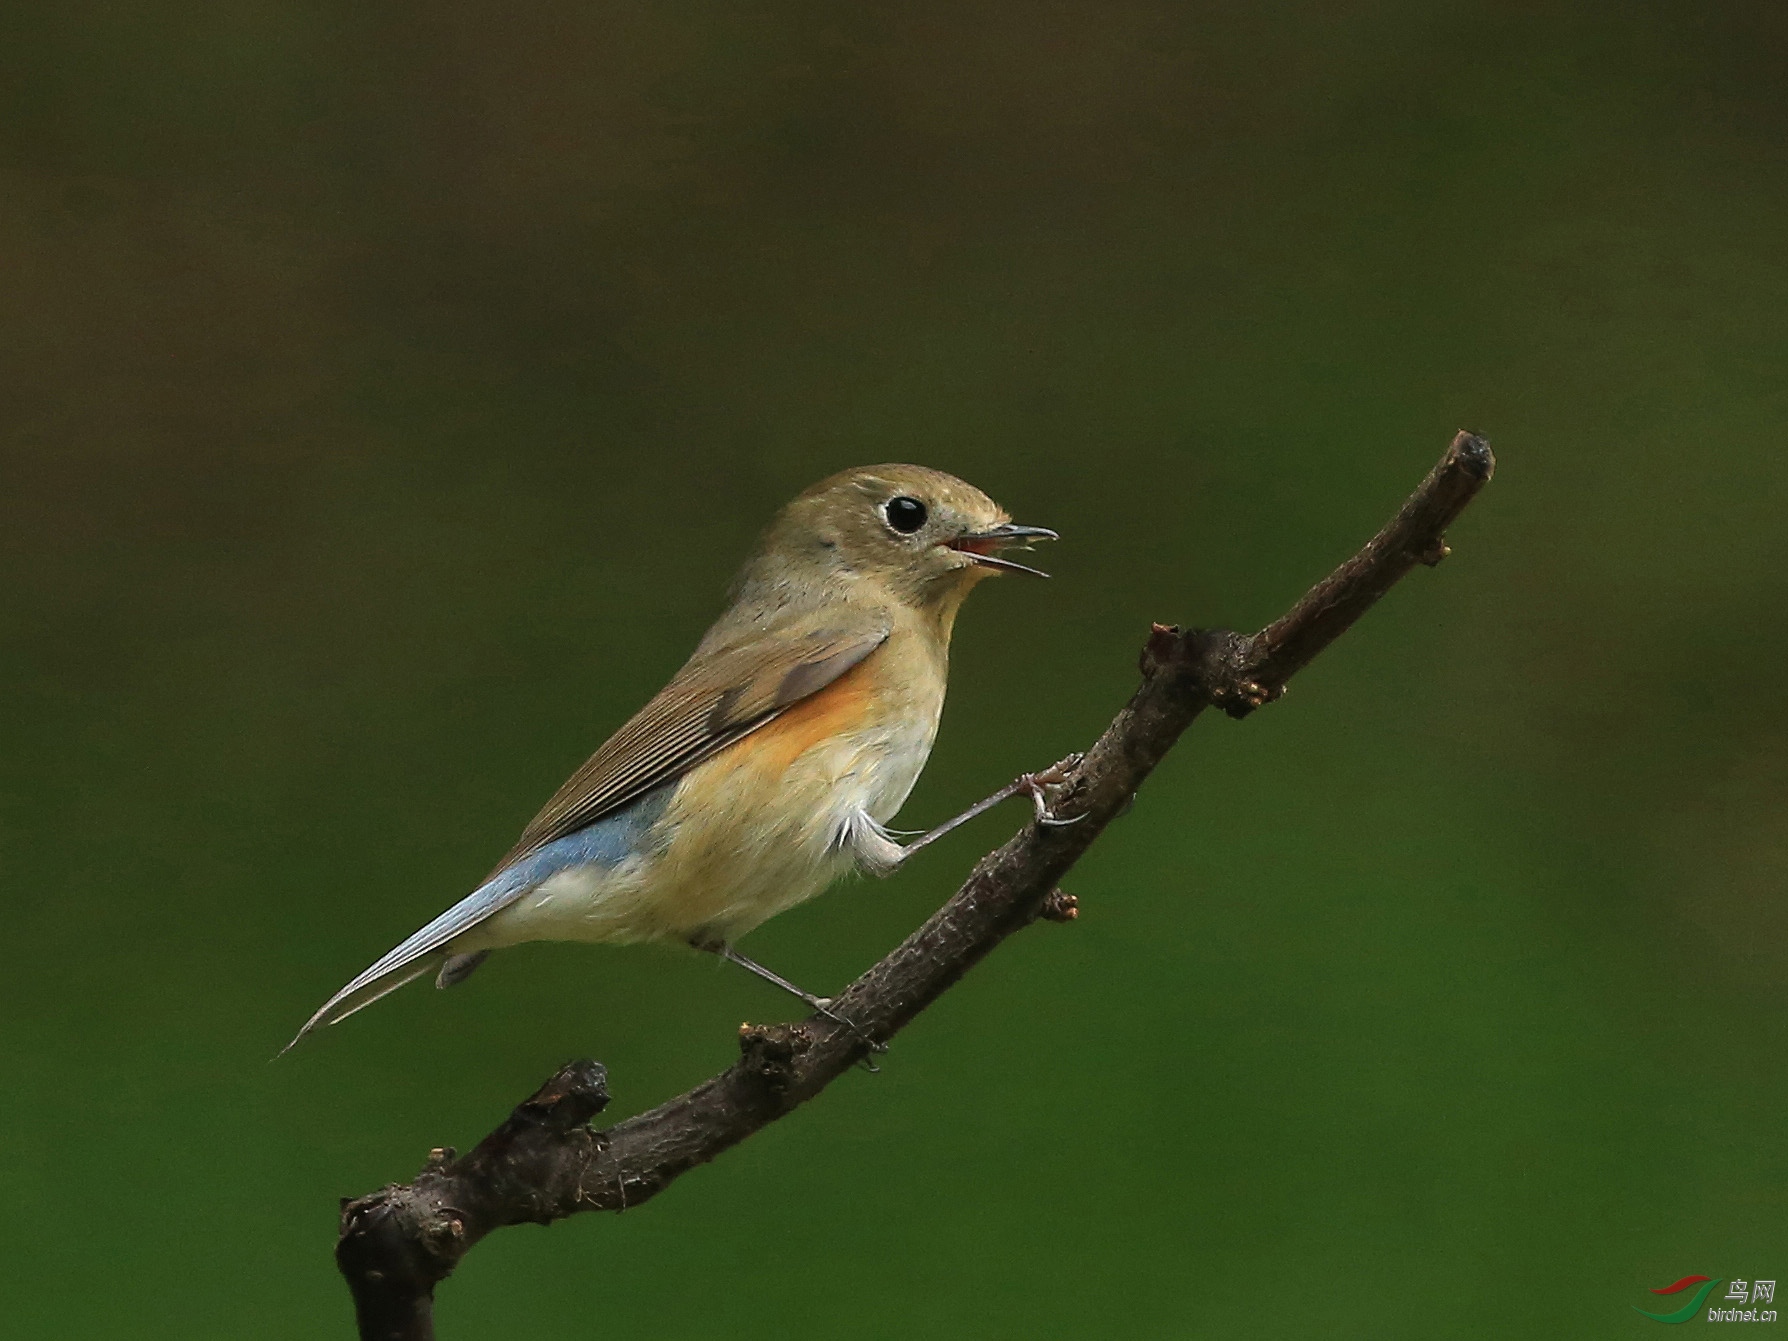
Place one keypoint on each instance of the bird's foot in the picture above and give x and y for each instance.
(1039, 784)
(822, 1005)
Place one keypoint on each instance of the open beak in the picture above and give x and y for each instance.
(984, 546)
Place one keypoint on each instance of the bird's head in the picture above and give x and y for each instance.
(920, 535)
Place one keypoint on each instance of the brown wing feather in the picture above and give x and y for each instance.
(713, 701)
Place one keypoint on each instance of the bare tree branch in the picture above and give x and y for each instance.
(545, 1162)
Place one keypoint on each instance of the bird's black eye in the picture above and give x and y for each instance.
(904, 514)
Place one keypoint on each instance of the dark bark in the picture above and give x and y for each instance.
(545, 1162)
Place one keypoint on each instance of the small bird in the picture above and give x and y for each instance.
(771, 763)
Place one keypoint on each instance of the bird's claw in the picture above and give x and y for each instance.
(1037, 785)
(823, 1005)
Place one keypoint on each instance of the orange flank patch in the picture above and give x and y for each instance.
(842, 706)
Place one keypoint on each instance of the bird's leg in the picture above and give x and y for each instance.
(820, 1004)
(1034, 785)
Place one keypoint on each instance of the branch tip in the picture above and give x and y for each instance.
(1473, 455)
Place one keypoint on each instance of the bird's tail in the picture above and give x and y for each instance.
(425, 951)
(359, 994)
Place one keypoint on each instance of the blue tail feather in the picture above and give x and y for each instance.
(603, 844)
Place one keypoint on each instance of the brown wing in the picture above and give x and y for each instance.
(713, 701)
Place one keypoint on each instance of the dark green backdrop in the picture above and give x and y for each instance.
(388, 392)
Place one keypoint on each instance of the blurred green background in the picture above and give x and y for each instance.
(389, 391)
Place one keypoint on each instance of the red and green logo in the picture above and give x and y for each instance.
(1688, 1310)
(1731, 1308)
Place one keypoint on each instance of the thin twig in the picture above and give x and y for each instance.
(545, 1162)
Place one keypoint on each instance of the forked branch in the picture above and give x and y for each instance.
(545, 1162)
